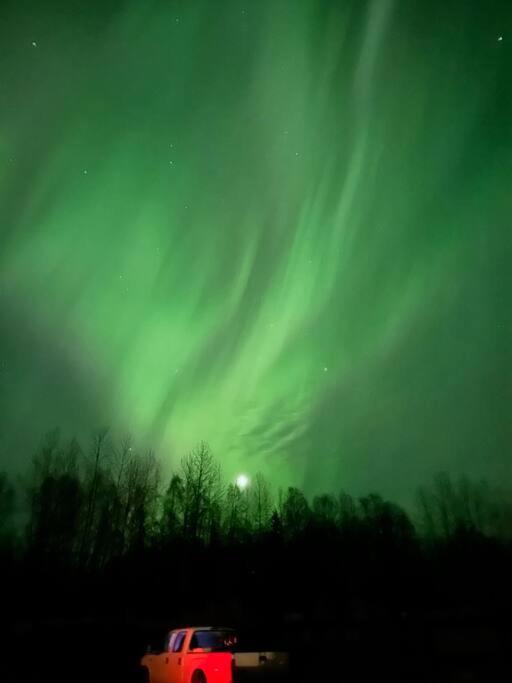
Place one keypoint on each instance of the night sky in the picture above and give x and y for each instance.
(282, 226)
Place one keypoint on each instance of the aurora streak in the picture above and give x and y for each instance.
(280, 226)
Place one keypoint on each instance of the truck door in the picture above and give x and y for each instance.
(159, 665)
(175, 666)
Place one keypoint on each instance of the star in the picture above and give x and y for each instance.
(34, 44)
(325, 369)
(500, 38)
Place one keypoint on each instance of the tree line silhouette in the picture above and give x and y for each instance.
(101, 533)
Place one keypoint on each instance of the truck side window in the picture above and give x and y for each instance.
(170, 641)
(178, 641)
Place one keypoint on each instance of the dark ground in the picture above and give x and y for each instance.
(436, 648)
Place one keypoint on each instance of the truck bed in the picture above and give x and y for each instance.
(256, 666)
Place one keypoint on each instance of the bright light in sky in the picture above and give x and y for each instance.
(242, 481)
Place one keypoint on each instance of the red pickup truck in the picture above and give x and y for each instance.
(205, 654)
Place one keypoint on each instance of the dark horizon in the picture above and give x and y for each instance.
(478, 504)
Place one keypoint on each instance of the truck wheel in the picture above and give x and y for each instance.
(198, 677)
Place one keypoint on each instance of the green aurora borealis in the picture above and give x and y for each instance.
(282, 226)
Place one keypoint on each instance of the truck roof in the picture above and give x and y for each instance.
(204, 628)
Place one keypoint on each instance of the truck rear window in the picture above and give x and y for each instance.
(213, 641)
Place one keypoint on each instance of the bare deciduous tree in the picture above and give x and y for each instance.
(202, 490)
(260, 503)
(295, 511)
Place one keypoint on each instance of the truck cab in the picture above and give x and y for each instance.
(192, 655)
